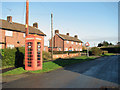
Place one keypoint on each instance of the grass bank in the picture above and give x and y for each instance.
(52, 65)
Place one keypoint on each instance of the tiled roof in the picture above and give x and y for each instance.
(4, 24)
(69, 38)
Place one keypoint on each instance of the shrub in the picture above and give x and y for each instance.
(63, 52)
(9, 56)
(96, 51)
(46, 55)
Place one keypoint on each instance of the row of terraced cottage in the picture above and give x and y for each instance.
(12, 35)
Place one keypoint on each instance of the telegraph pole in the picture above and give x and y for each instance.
(27, 16)
(52, 35)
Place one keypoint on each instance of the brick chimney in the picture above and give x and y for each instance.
(56, 31)
(67, 34)
(35, 25)
(9, 18)
(76, 36)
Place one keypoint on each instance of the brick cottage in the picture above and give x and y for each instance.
(63, 42)
(13, 34)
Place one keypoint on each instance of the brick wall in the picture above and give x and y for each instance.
(66, 55)
(65, 45)
(57, 42)
(74, 46)
(12, 40)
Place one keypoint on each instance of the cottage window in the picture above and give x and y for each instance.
(66, 49)
(76, 49)
(72, 42)
(67, 41)
(81, 49)
(79, 43)
(76, 43)
(8, 33)
(24, 35)
(10, 46)
(0, 46)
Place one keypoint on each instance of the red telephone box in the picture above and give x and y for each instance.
(33, 52)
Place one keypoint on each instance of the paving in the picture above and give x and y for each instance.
(102, 72)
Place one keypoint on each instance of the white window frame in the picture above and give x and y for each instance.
(76, 43)
(66, 49)
(80, 44)
(24, 35)
(72, 42)
(9, 33)
(67, 42)
(10, 46)
(80, 49)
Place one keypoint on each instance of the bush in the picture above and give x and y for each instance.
(9, 56)
(8, 59)
(63, 52)
(96, 51)
(46, 55)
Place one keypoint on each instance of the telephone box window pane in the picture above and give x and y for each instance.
(29, 43)
(38, 52)
(38, 58)
(29, 49)
(29, 52)
(29, 58)
(29, 62)
(29, 65)
(29, 55)
(38, 65)
(38, 49)
(38, 55)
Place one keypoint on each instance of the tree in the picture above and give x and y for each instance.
(104, 43)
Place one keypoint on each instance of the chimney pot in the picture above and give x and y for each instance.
(56, 31)
(35, 25)
(76, 36)
(67, 34)
(9, 18)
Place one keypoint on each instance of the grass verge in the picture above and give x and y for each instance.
(108, 54)
(52, 65)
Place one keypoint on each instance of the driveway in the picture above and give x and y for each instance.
(102, 72)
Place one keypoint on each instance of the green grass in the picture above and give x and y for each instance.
(108, 54)
(52, 65)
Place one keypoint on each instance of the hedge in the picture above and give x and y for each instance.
(63, 52)
(9, 56)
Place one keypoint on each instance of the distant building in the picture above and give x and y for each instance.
(63, 42)
(46, 48)
(13, 34)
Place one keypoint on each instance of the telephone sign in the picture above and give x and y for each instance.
(33, 52)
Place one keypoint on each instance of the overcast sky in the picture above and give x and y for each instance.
(91, 21)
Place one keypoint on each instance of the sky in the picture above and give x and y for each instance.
(93, 22)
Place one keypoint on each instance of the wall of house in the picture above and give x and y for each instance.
(57, 42)
(74, 46)
(2, 38)
(11, 41)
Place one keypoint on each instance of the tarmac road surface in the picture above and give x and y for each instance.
(102, 72)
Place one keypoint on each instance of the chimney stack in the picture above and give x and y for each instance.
(56, 31)
(76, 36)
(67, 34)
(35, 25)
(9, 18)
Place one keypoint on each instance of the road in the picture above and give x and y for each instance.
(102, 72)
